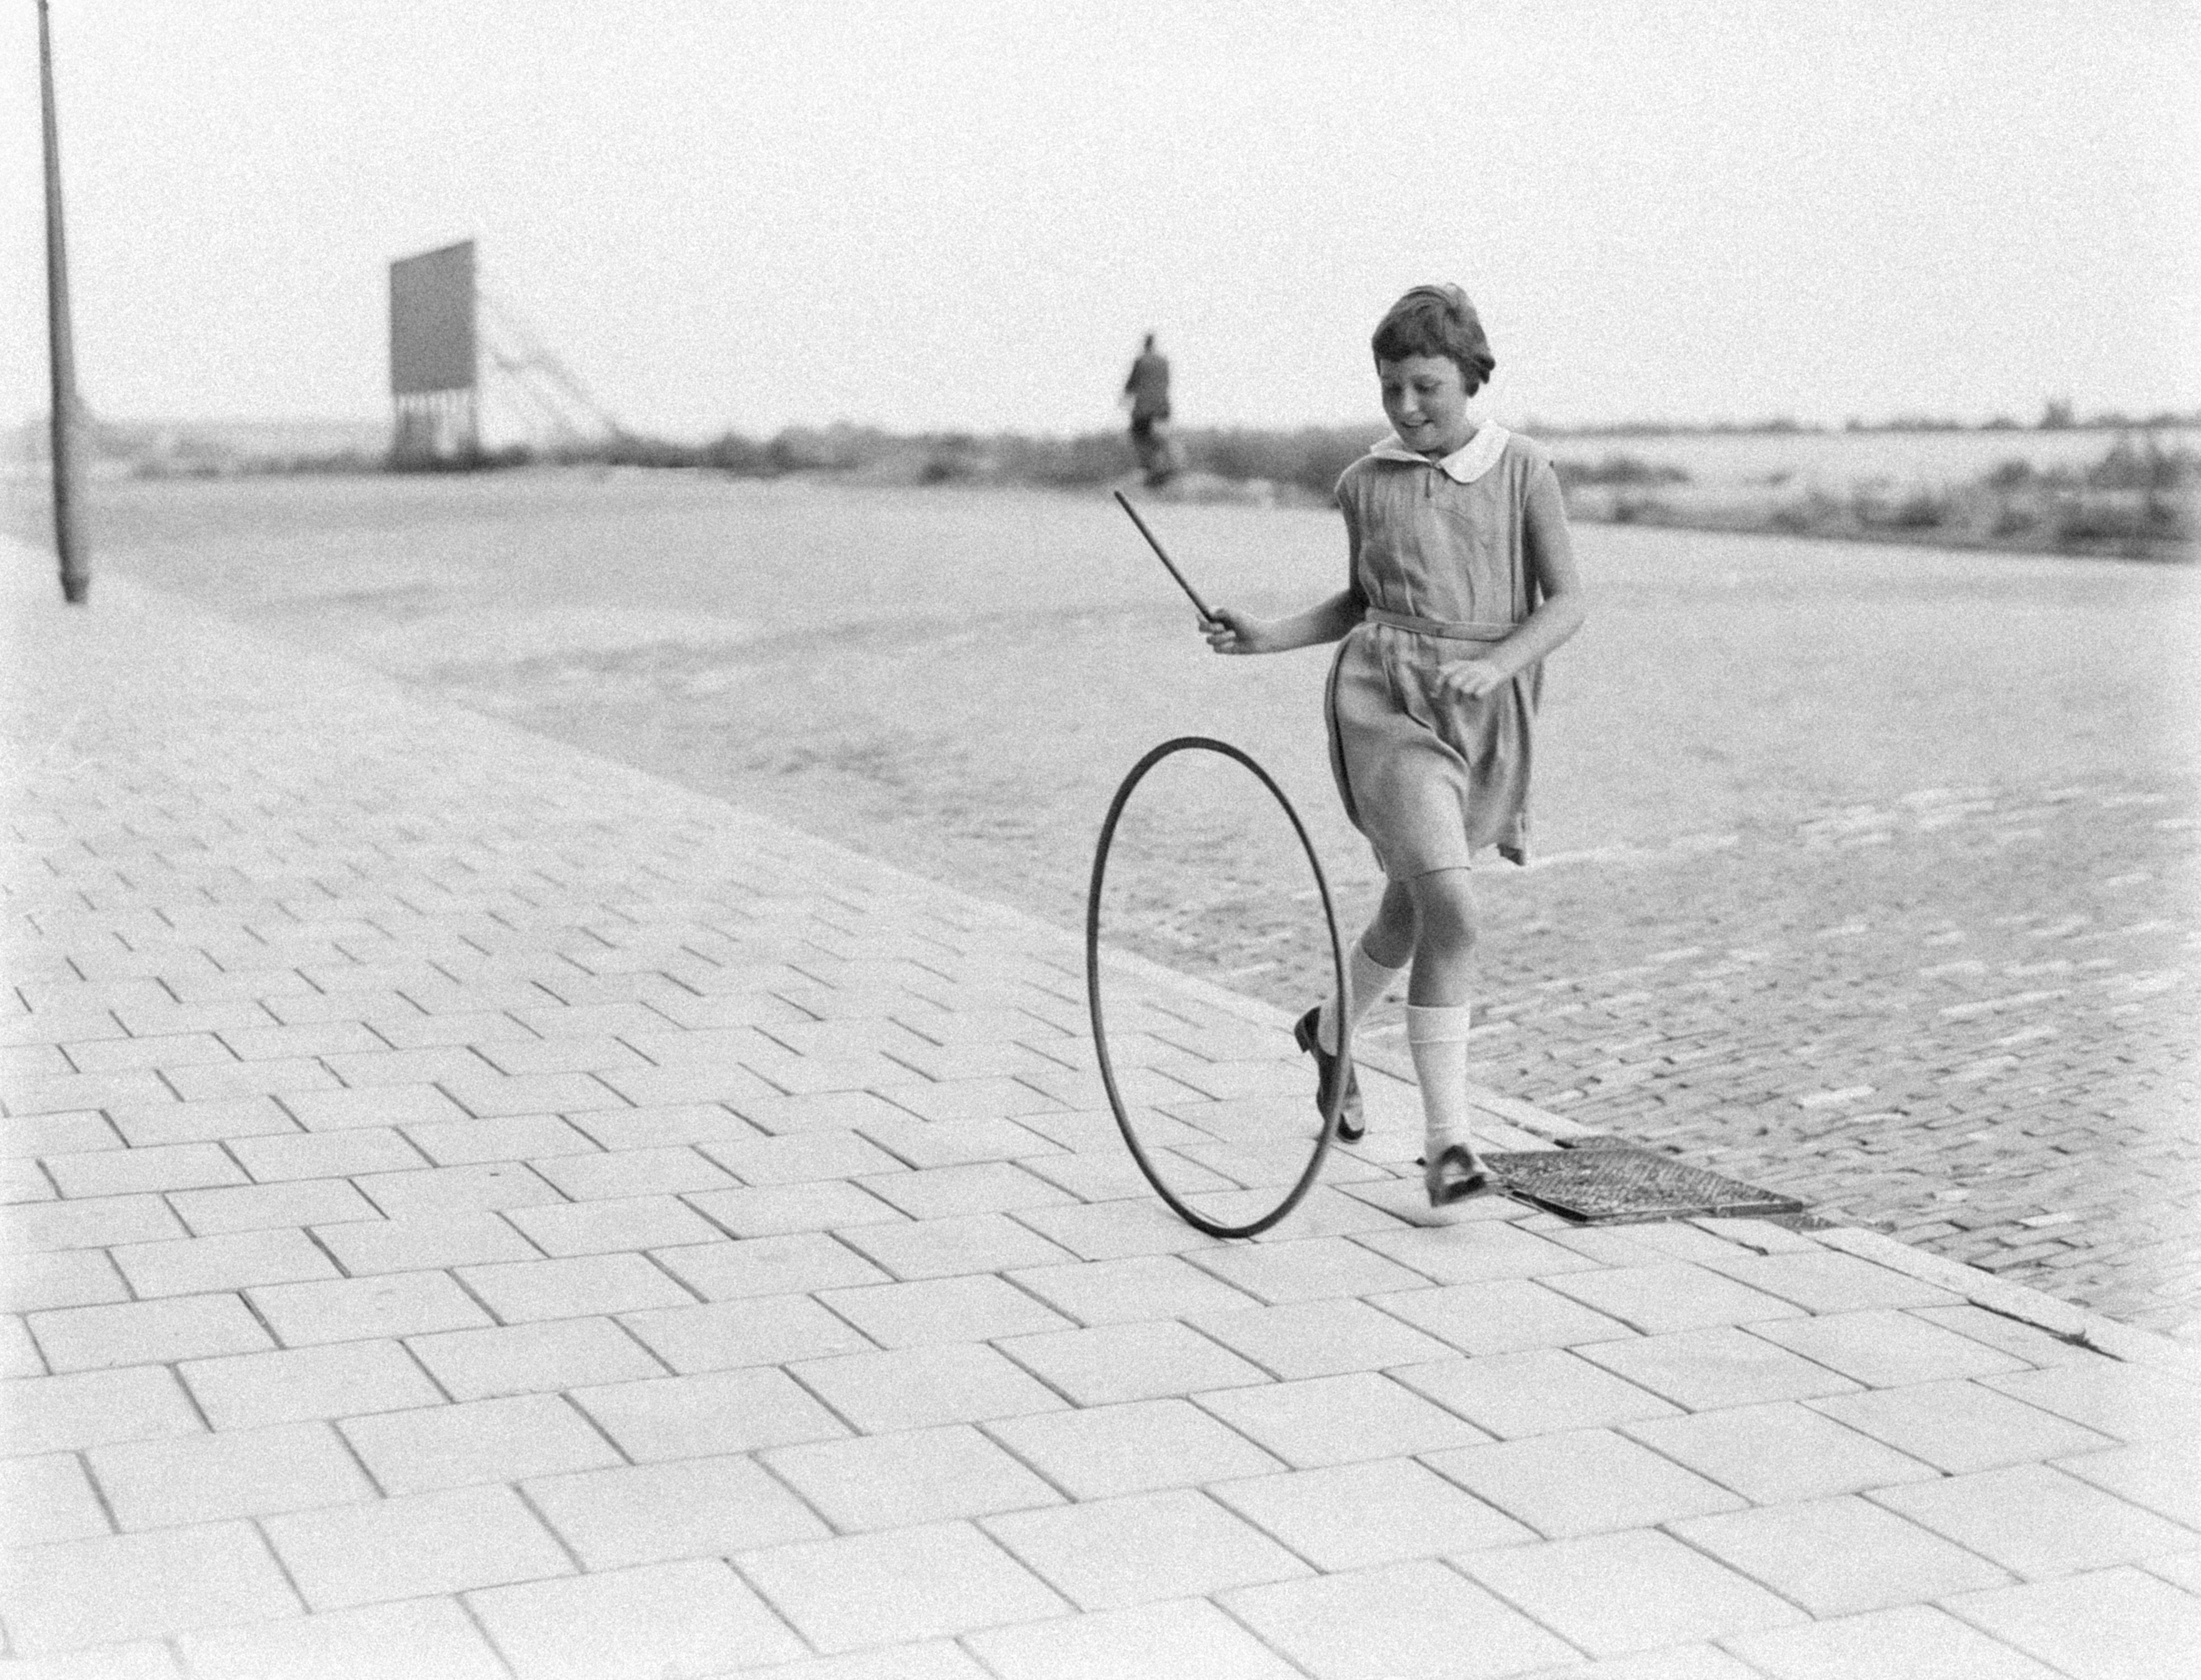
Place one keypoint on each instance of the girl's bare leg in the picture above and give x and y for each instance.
(1384, 949)
(1444, 938)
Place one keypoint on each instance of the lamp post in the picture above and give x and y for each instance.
(76, 578)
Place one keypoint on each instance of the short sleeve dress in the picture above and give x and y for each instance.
(1439, 552)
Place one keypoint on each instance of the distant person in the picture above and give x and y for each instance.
(1461, 580)
(1147, 391)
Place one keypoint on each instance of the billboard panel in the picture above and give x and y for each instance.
(431, 320)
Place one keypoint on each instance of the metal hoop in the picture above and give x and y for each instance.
(1192, 1217)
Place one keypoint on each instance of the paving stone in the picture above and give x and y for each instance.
(253, 1472)
(1473, 1251)
(355, 1309)
(952, 1247)
(48, 1497)
(205, 1264)
(608, 1227)
(322, 1154)
(209, 1575)
(706, 1415)
(1276, 1272)
(797, 1264)
(1100, 1452)
(1320, 1338)
(2182, 1571)
(2035, 1521)
(1660, 1299)
(975, 1188)
(1701, 1369)
(533, 1358)
(909, 1477)
(805, 1157)
(462, 1142)
(922, 1387)
(305, 1202)
(1582, 1482)
(2164, 1476)
(146, 1332)
(909, 1584)
(1415, 1618)
(1778, 1453)
(64, 1133)
(2024, 1342)
(61, 1278)
(1832, 1282)
(583, 1286)
(1152, 1546)
(1502, 1316)
(501, 1439)
(92, 1090)
(96, 1222)
(422, 1637)
(975, 1308)
(443, 1190)
(2129, 1402)
(413, 1547)
(1133, 1361)
(690, 1617)
(1537, 1392)
(779, 1210)
(424, 1241)
(1328, 1420)
(1142, 1288)
(1352, 1516)
(1959, 1427)
(167, 1166)
(660, 1125)
(1105, 1230)
(145, 1124)
(2109, 1625)
(761, 1330)
(1636, 1590)
(625, 1173)
(1187, 1635)
(344, 1379)
(1886, 1349)
(1914, 1642)
(1839, 1556)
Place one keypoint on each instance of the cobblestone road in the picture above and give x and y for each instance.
(1966, 1018)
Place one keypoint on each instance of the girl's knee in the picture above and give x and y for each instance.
(1445, 905)
(1389, 938)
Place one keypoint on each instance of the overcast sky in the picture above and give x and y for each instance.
(963, 214)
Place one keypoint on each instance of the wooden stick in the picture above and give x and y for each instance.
(1162, 555)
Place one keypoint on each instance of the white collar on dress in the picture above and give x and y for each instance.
(1465, 464)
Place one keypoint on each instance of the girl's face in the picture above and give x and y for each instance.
(1425, 399)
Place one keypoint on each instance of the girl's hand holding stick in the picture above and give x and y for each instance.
(1227, 632)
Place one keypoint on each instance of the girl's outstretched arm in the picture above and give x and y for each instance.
(1230, 631)
(1559, 613)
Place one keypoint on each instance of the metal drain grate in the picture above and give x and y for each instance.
(1625, 1185)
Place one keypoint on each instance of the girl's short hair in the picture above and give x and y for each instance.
(1436, 320)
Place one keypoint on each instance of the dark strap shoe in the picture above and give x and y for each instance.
(1351, 1129)
(1454, 1175)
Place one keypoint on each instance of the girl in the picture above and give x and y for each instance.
(1461, 578)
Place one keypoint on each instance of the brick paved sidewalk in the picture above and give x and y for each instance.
(476, 1210)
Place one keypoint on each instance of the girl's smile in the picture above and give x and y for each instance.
(1425, 399)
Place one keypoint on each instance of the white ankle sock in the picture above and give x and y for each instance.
(1437, 1038)
(1370, 980)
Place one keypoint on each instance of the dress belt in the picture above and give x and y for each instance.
(1453, 630)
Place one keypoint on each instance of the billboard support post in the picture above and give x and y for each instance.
(76, 576)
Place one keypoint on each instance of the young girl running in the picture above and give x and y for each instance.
(1461, 578)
